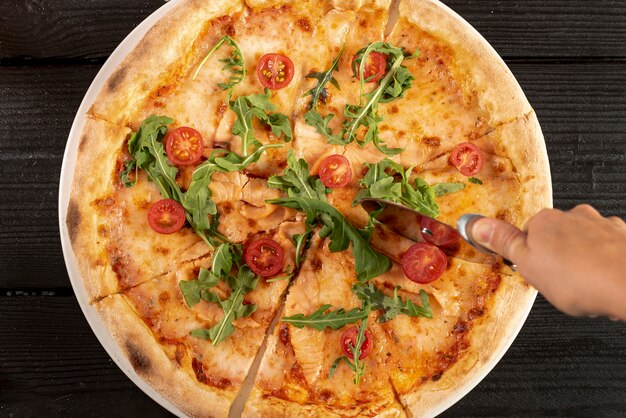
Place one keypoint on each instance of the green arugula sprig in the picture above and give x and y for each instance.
(324, 318)
(257, 106)
(233, 63)
(148, 153)
(355, 364)
(319, 92)
(391, 87)
(389, 180)
(308, 194)
(391, 306)
(442, 189)
(226, 257)
(475, 180)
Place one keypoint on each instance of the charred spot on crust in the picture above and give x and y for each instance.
(283, 334)
(180, 354)
(103, 231)
(230, 30)
(161, 250)
(116, 79)
(431, 141)
(304, 24)
(222, 107)
(138, 359)
(326, 396)
(198, 370)
(84, 139)
(316, 263)
(251, 223)
(227, 207)
(164, 297)
(393, 109)
(460, 327)
(437, 376)
(73, 219)
(475, 313)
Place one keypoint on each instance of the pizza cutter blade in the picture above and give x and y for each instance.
(421, 228)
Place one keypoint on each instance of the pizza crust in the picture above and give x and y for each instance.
(489, 340)
(99, 143)
(166, 49)
(152, 364)
(498, 91)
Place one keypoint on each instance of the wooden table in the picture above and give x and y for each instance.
(568, 55)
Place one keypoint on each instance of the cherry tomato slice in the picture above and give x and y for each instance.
(335, 171)
(264, 256)
(275, 71)
(424, 263)
(166, 216)
(467, 158)
(349, 338)
(375, 67)
(184, 146)
(442, 235)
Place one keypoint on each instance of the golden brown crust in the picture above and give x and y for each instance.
(99, 144)
(152, 364)
(526, 148)
(164, 50)
(478, 63)
(489, 339)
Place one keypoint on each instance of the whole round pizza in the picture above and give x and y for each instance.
(215, 206)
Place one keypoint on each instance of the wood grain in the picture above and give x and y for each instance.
(78, 30)
(558, 365)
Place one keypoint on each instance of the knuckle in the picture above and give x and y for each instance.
(586, 209)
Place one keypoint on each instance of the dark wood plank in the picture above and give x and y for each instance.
(70, 29)
(553, 28)
(51, 361)
(582, 109)
(558, 365)
(37, 107)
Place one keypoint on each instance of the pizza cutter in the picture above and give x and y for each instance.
(417, 227)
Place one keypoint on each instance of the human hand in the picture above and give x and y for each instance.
(575, 259)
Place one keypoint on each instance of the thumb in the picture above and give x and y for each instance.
(500, 237)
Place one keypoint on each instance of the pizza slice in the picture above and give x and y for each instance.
(305, 370)
(202, 320)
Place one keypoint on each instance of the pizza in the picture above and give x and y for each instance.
(215, 217)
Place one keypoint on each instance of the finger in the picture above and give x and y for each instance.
(500, 237)
(586, 209)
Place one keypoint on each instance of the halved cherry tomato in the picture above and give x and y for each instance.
(335, 171)
(184, 146)
(166, 216)
(264, 256)
(467, 158)
(441, 235)
(375, 67)
(275, 71)
(349, 339)
(424, 263)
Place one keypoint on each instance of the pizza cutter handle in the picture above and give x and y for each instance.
(464, 225)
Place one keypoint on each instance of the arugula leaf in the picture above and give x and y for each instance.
(442, 189)
(391, 87)
(475, 180)
(296, 180)
(302, 242)
(234, 63)
(129, 166)
(321, 319)
(356, 364)
(225, 257)
(319, 92)
(368, 263)
(257, 105)
(380, 183)
(391, 306)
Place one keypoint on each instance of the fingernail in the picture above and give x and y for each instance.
(482, 231)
